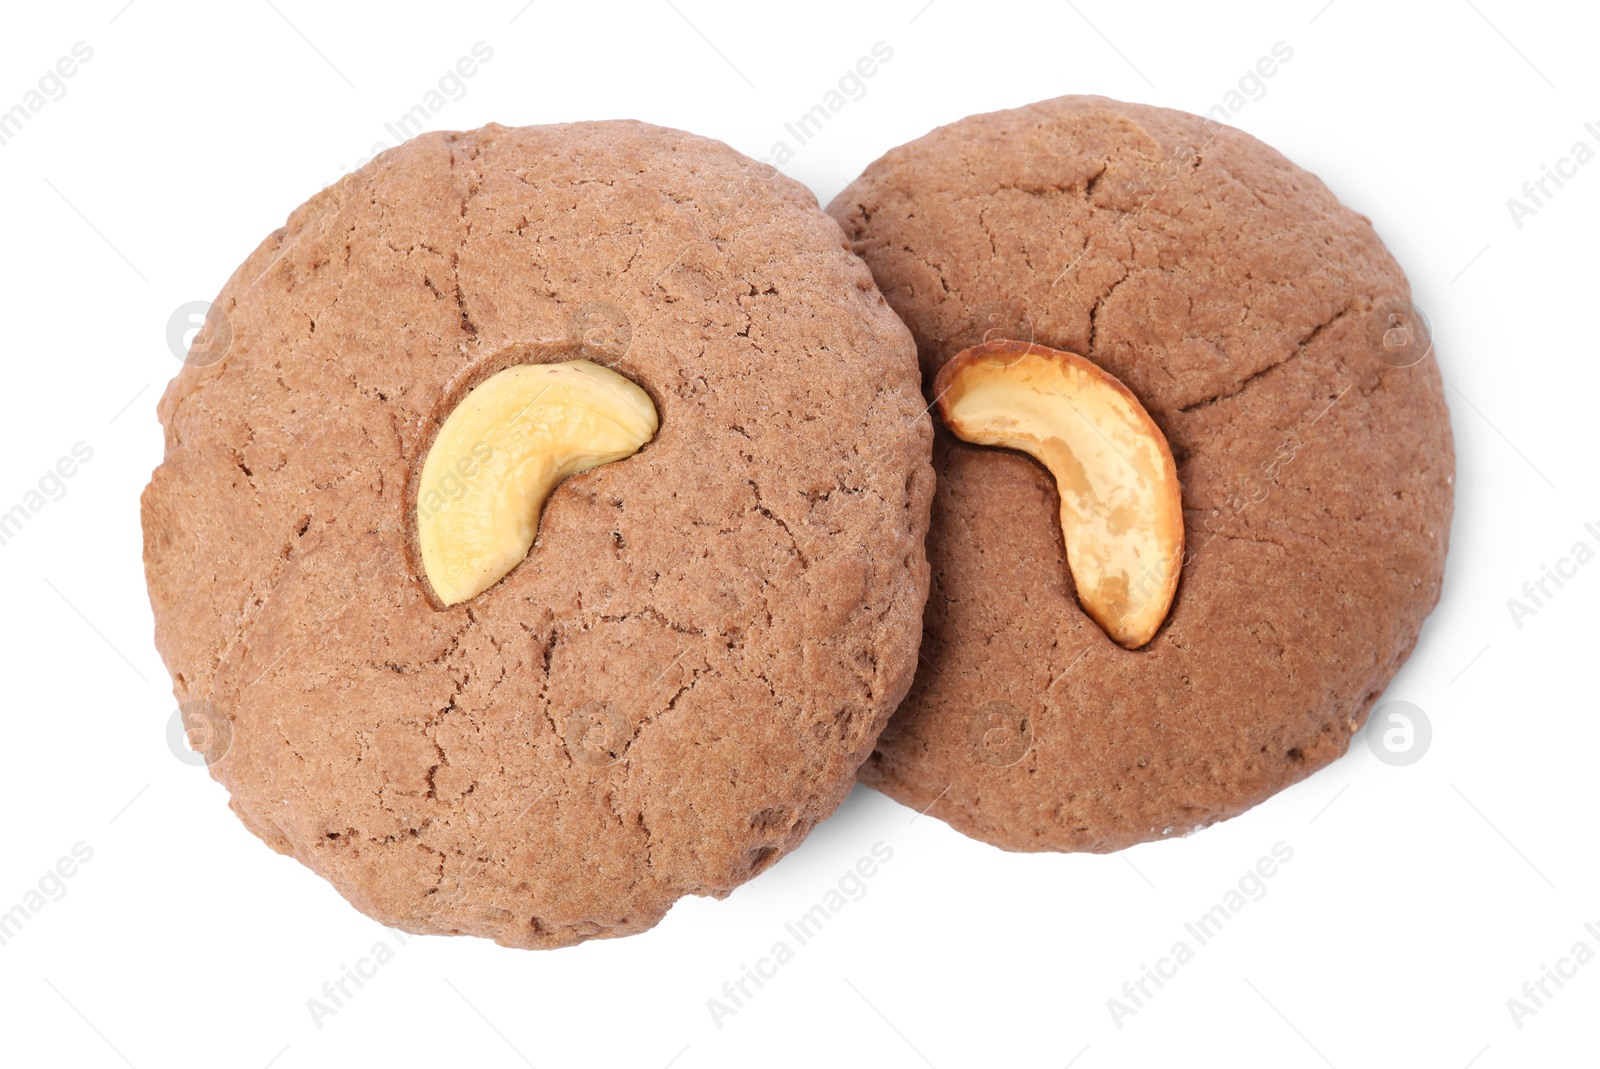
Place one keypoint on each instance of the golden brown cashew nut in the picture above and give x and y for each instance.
(1121, 511)
(502, 451)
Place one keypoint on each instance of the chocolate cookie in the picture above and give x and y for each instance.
(685, 672)
(1270, 336)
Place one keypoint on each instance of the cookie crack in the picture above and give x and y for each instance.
(1094, 312)
(762, 508)
(1093, 181)
(994, 251)
(652, 614)
(1249, 540)
(413, 667)
(548, 655)
(672, 704)
(1045, 189)
(1250, 379)
(464, 316)
(935, 268)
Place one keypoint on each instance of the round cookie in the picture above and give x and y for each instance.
(1269, 334)
(683, 676)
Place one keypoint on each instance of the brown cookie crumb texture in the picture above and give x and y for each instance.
(1246, 308)
(707, 637)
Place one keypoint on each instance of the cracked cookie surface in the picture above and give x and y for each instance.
(685, 673)
(1240, 302)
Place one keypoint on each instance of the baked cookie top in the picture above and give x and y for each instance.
(706, 638)
(1270, 336)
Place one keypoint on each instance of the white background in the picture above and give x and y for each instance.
(1419, 899)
